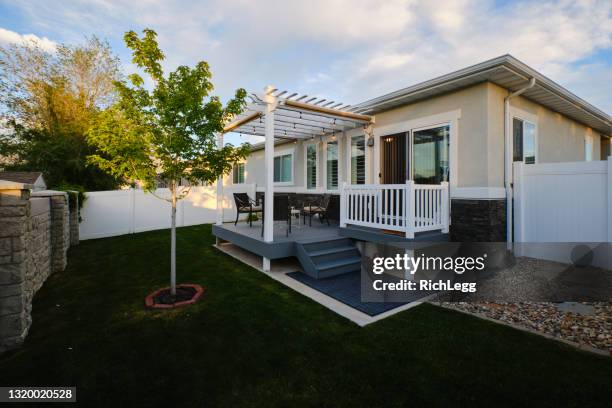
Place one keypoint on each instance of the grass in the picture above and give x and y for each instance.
(251, 341)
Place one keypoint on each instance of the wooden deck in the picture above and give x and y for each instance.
(284, 245)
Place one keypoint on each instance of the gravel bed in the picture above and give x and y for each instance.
(531, 293)
(593, 330)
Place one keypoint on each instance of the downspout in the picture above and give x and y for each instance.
(508, 158)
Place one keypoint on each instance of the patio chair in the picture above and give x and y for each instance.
(319, 208)
(281, 212)
(245, 205)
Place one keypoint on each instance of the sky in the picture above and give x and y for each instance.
(345, 50)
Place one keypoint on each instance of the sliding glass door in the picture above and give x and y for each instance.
(421, 155)
(430, 155)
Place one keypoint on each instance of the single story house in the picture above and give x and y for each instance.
(435, 157)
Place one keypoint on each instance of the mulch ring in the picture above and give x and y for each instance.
(186, 294)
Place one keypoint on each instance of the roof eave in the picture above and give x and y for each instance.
(508, 62)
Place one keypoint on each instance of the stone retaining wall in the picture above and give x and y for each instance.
(34, 240)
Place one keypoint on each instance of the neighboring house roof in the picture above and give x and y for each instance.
(33, 178)
(507, 72)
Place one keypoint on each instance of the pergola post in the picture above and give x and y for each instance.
(220, 185)
(269, 170)
(219, 188)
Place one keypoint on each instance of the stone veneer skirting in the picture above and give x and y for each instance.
(478, 220)
(34, 240)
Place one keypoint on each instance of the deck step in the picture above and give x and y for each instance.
(332, 254)
(324, 259)
(339, 263)
(332, 250)
(326, 244)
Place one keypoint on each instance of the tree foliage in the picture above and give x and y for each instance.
(48, 100)
(167, 132)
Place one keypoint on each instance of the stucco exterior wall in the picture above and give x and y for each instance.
(559, 138)
(255, 166)
(478, 140)
(471, 143)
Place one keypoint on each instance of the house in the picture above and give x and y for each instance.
(431, 161)
(33, 178)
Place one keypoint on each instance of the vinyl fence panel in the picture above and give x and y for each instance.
(118, 212)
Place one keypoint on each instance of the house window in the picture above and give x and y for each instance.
(283, 168)
(332, 165)
(430, 155)
(588, 148)
(606, 145)
(524, 134)
(358, 160)
(238, 173)
(311, 166)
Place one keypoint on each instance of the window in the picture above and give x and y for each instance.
(430, 155)
(588, 148)
(283, 168)
(358, 160)
(238, 173)
(332, 165)
(524, 134)
(606, 144)
(311, 166)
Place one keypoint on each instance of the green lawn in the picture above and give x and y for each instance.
(251, 341)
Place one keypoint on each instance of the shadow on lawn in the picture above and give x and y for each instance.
(251, 341)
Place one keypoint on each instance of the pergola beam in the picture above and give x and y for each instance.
(329, 111)
(279, 136)
(315, 118)
(278, 131)
(287, 108)
(240, 122)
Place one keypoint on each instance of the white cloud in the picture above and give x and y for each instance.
(552, 37)
(10, 37)
(352, 50)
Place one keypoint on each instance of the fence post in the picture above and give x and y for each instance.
(518, 198)
(409, 208)
(133, 210)
(343, 205)
(445, 207)
(609, 198)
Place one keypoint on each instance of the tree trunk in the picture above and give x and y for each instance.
(173, 245)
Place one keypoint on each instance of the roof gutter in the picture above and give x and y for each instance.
(508, 157)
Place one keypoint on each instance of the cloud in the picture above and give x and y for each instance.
(351, 50)
(10, 37)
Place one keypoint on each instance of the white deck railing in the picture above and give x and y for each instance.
(407, 208)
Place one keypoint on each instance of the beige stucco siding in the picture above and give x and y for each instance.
(559, 139)
(254, 169)
(472, 149)
(477, 138)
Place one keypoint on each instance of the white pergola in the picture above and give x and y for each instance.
(276, 114)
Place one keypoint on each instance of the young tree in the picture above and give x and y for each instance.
(47, 99)
(167, 132)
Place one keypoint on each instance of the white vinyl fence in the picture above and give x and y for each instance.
(562, 203)
(118, 212)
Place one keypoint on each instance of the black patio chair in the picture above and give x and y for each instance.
(317, 207)
(245, 205)
(281, 211)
